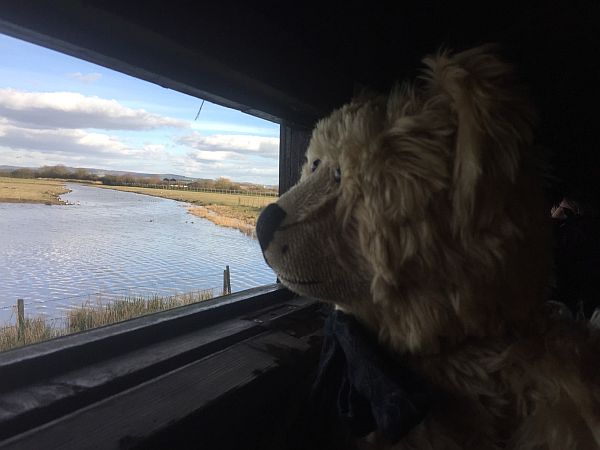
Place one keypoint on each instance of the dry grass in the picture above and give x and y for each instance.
(18, 190)
(90, 315)
(227, 210)
(200, 198)
(225, 216)
(246, 214)
(93, 315)
(34, 330)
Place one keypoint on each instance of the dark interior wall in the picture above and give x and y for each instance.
(558, 54)
(295, 62)
(293, 144)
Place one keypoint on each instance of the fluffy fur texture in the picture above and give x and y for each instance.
(435, 238)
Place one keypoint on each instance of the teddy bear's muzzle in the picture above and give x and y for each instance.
(268, 222)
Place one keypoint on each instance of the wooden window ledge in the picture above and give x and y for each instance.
(218, 365)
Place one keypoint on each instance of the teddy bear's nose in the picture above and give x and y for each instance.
(268, 221)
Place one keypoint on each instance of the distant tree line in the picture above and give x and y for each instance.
(52, 172)
(119, 180)
(227, 184)
(66, 173)
(219, 183)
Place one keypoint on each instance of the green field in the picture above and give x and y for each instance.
(228, 210)
(201, 198)
(18, 190)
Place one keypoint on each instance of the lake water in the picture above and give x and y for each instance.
(113, 243)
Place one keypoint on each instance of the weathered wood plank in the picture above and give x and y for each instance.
(124, 369)
(141, 411)
(34, 404)
(27, 364)
(294, 141)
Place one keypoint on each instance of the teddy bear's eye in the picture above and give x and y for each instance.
(315, 164)
(337, 175)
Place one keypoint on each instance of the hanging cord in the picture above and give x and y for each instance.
(200, 110)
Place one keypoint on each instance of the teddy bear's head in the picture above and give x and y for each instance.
(420, 212)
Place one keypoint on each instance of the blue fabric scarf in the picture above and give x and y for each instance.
(373, 391)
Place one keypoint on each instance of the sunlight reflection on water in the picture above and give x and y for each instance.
(115, 243)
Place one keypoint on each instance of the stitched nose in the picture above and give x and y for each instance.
(268, 221)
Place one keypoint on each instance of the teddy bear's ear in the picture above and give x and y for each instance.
(494, 123)
(444, 164)
(401, 174)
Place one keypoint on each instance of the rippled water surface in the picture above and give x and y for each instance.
(115, 243)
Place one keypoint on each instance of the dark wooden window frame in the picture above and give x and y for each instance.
(143, 382)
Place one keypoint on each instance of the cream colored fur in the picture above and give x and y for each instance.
(435, 239)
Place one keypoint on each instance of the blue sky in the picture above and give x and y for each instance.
(56, 109)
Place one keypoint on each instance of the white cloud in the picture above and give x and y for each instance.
(73, 110)
(85, 77)
(267, 147)
(33, 158)
(204, 155)
(234, 128)
(265, 172)
(68, 128)
(36, 147)
(61, 141)
(154, 151)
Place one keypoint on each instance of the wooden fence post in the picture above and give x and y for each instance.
(226, 281)
(20, 319)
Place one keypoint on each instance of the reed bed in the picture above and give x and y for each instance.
(225, 217)
(99, 314)
(34, 330)
(92, 315)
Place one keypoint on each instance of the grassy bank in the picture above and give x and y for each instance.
(229, 210)
(200, 198)
(229, 216)
(93, 315)
(17, 190)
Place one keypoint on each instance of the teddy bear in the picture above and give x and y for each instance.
(420, 213)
